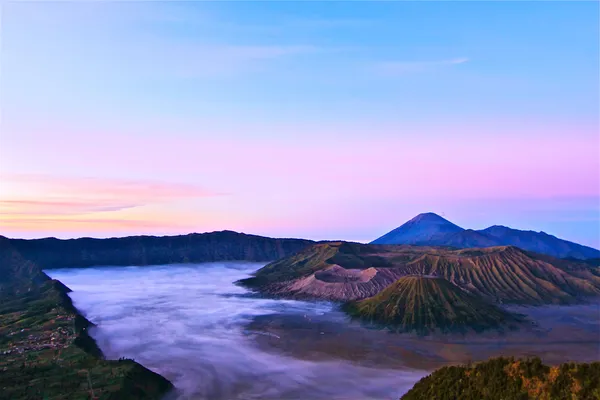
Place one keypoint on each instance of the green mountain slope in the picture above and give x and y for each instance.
(352, 271)
(507, 378)
(45, 349)
(424, 304)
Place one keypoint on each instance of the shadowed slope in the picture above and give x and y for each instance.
(425, 304)
(539, 242)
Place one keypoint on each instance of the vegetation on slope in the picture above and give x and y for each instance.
(507, 378)
(510, 275)
(45, 349)
(313, 259)
(499, 274)
(424, 305)
(46, 353)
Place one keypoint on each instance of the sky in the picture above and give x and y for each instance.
(322, 120)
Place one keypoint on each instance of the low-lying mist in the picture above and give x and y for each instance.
(189, 323)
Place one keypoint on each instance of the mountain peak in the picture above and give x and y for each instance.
(428, 217)
(426, 227)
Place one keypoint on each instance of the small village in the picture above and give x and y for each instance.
(26, 341)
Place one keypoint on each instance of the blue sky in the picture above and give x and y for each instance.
(352, 115)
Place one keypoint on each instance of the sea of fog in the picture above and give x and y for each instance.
(189, 323)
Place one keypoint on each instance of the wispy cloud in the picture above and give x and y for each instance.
(406, 67)
(60, 207)
(53, 196)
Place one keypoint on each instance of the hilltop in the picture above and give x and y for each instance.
(430, 229)
(352, 271)
(427, 304)
(507, 378)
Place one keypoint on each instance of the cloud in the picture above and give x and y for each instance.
(406, 67)
(52, 196)
(35, 227)
(62, 207)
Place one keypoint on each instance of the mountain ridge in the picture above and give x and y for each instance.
(147, 250)
(346, 271)
(430, 229)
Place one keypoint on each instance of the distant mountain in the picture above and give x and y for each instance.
(352, 271)
(432, 230)
(428, 228)
(427, 304)
(147, 250)
(540, 242)
(507, 378)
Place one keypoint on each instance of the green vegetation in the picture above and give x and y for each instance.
(45, 352)
(308, 261)
(470, 283)
(316, 258)
(45, 349)
(424, 305)
(507, 378)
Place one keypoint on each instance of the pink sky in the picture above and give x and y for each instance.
(155, 117)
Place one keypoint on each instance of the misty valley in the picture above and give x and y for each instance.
(216, 340)
(226, 315)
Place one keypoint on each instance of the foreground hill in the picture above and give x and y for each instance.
(353, 271)
(507, 378)
(432, 230)
(146, 250)
(45, 347)
(426, 304)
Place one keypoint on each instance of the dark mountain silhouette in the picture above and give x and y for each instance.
(427, 304)
(432, 230)
(146, 250)
(540, 242)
